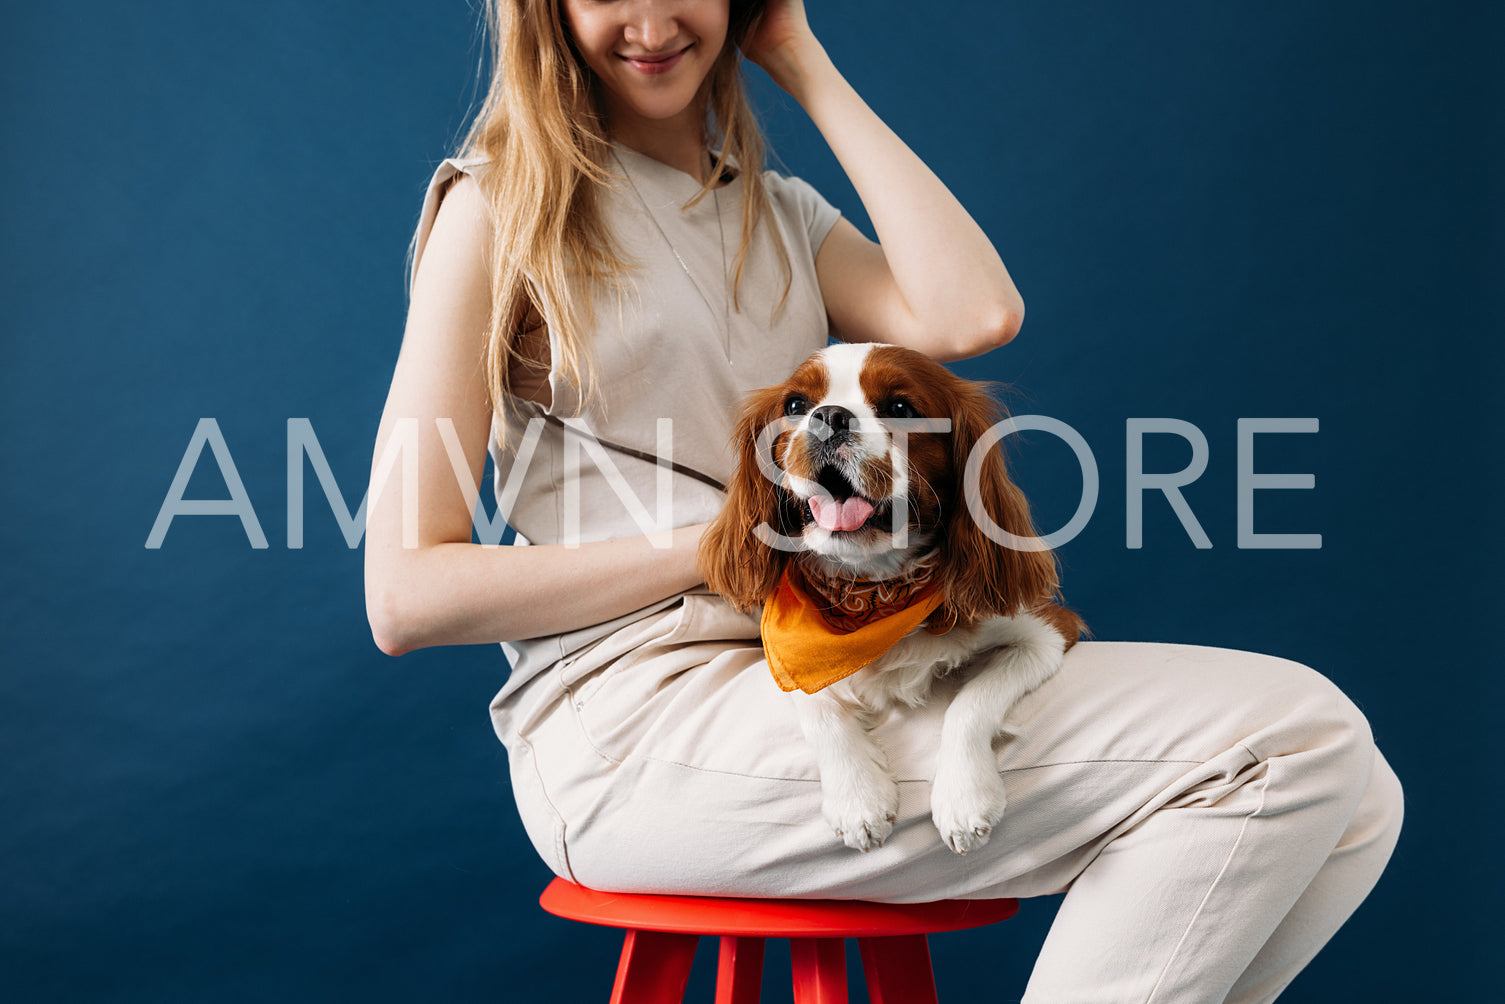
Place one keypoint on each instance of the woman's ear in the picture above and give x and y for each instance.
(987, 577)
(735, 558)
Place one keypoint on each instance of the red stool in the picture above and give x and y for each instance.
(662, 932)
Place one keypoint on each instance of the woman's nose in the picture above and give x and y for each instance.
(651, 24)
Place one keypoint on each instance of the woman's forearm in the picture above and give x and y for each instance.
(951, 278)
(469, 594)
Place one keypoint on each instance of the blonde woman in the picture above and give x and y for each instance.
(606, 252)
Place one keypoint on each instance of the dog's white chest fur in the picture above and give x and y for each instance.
(1003, 660)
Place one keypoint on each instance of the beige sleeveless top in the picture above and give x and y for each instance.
(671, 347)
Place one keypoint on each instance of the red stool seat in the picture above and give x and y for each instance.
(662, 932)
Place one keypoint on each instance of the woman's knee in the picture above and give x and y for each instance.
(1382, 809)
(1326, 738)
(1361, 775)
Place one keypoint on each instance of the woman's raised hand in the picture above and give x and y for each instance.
(934, 281)
(776, 38)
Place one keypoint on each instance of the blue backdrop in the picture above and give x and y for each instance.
(216, 788)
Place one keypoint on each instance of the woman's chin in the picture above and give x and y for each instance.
(655, 100)
(659, 109)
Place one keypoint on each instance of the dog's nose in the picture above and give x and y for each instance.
(834, 417)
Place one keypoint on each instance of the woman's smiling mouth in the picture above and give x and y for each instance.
(652, 65)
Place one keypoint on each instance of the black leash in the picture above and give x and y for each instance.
(651, 458)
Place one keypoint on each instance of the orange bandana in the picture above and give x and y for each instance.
(818, 632)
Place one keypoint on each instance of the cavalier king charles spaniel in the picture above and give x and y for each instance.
(887, 550)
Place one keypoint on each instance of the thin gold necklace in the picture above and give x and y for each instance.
(726, 297)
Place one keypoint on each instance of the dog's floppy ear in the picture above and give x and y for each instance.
(986, 577)
(735, 562)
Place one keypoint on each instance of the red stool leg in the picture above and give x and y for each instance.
(820, 970)
(898, 969)
(655, 968)
(739, 973)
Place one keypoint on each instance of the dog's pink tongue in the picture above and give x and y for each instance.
(833, 515)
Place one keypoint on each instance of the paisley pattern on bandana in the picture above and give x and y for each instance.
(818, 630)
(848, 604)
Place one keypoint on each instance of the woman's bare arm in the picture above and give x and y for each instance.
(934, 281)
(443, 589)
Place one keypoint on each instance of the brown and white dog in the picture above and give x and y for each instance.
(847, 518)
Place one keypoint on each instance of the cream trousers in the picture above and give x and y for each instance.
(1212, 816)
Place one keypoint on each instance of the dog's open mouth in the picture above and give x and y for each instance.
(843, 510)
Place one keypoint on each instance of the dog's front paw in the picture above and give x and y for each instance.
(862, 823)
(966, 805)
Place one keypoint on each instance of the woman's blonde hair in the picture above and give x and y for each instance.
(542, 126)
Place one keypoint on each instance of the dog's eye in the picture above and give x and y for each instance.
(796, 405)
(897, 407)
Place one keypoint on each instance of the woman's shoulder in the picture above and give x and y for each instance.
(788, 186)
(475, 166)
(452, 170)
(799, 201)
(454, 187)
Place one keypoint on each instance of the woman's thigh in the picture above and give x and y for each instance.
(681, 767)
